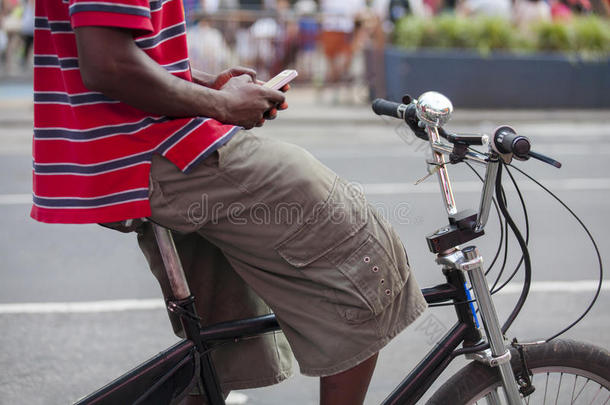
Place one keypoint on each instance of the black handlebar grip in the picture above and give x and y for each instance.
(390, 108)
(506, 140)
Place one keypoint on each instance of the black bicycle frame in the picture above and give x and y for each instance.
(172, 373)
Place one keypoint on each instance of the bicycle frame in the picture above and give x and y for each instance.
(178, 365)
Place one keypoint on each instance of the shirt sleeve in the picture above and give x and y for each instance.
(130, 14)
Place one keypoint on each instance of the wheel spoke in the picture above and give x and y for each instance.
(582, 389)
(573, 390)
(493, 398)
(558, 388)
(598, 391)
(546, 386)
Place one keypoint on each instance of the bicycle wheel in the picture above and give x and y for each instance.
(565, 372)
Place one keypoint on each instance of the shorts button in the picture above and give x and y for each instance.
(375, 269)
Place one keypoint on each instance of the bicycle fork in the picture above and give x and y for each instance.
(498, 355)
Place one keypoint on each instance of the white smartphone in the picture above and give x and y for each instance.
(281, 79)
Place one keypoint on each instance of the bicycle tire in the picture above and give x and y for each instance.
(561, 367)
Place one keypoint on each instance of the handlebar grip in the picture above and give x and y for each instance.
(506, 140)
(389, 108)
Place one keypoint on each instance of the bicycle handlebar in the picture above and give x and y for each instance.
(406, 112)
(389, 108)
(505, 139)
(505, 143)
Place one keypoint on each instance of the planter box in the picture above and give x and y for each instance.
(500, 80)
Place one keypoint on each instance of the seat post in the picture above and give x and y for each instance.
(171, 260)
(185, 303)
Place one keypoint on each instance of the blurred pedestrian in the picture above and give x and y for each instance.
(565, 9)
(560, 11)
(27, 32)
(208, 50)
(265, 35)
(308, 29)
(402, 8)
(18, 19)
(526, 12)
(338, 18)
(488, 8)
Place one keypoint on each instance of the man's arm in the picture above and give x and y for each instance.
(111, 63)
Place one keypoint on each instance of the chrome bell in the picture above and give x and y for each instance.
(434, 109)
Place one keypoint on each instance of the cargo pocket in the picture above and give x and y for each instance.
(375, 275)
(358, 274)
(330, 223)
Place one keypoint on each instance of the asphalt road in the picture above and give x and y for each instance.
(52, 357)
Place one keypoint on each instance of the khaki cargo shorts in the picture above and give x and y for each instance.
(306, 241)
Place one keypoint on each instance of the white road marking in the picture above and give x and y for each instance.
(237, 398)
(578, 286)
(432, 187)
(428, 187)
(81, 307)
(14, 199)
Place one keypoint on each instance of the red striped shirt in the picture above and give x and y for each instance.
(91, 153)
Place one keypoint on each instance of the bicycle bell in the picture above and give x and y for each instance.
(434, 109)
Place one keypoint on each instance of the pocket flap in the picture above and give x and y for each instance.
(332, 222)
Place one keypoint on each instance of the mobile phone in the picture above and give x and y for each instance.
(281, 79)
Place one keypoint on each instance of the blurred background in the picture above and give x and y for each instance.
(341, 44)
(78, 305)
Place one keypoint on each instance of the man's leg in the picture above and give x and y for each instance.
(348, 387)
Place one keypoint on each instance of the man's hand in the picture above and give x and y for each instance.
(217, 81)
(272, 113)
(247, 103)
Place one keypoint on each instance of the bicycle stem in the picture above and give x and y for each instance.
(489, 185)
(492, 162)
(442, 174)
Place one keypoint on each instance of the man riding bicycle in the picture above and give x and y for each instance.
(124, 129)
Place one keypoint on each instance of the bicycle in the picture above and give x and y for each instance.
(499, 373)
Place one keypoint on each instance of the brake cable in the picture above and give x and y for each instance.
(527, 236)
(596, 248)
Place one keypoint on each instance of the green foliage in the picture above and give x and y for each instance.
(495, 33)
(592, 35)
(408, 33)
(553, 36)
(454, 32)
(586, 36)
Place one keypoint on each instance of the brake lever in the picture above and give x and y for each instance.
(544, 159)
(414, 123)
